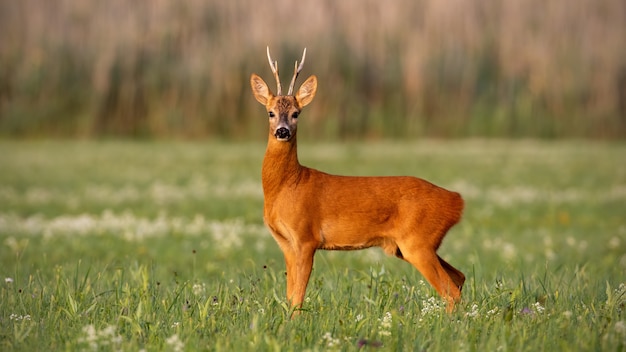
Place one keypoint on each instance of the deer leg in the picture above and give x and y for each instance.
(303, 266)
(429, 264)
(290, 263)
(454, 273)
(290, 266)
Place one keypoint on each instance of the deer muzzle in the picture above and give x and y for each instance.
(282, 133)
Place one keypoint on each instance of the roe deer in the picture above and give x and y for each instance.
(306, 209)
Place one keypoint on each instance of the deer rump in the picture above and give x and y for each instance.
(348, 213)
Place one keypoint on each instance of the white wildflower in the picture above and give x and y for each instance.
(493, 311)
(473, 313)
(175, 343)
(358, 318)
(431, 305)
(329, 340)
(538, 308)
(385, 325)
(19, 317)
(91, 338)
(8, 280)
(199, 289)
(97, 338)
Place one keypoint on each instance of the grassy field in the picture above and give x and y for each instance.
(161, 246)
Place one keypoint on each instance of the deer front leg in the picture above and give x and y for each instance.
(303, 267)
(290, 267)
(290, 263)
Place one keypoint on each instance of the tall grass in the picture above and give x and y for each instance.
(396, 68)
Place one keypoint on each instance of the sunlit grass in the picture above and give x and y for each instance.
(161, 246)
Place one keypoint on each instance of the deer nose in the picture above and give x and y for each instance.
(282, 133)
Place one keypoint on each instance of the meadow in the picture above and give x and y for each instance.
(160, 246)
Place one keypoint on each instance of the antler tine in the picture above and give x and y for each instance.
(274, 66)
(296, 71)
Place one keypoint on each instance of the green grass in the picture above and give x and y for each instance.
(161, 246)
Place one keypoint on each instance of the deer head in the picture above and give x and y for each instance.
(283, 110)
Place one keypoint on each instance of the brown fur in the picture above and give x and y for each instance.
(306, 209)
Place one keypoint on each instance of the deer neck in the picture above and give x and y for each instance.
(280, 166)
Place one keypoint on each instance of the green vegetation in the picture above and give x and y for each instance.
(160, 246)
(519, 68)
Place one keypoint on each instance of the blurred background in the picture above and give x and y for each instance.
(386, 69)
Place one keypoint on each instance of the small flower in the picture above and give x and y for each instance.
(431, 305)
(526, 311)
(8, 280)
(19, 317)
(358, 318)
(384, 333)
(175, 343)
(535, 308)
(96, 338)
(493, 311)
(175, 324)
(198, 289)
(385, 324)
(473, 313)
(363, 342)
(328, 339)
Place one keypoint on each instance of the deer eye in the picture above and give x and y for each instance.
(271, 114)
(294, 115)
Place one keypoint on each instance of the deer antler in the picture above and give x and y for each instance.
(274, 66)
(296, 70)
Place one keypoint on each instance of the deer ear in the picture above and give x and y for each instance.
(306, 92)
(261, 91)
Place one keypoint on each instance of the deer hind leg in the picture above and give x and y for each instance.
(430, 265)
(455, 274)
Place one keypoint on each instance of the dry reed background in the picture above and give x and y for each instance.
(85, 68)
